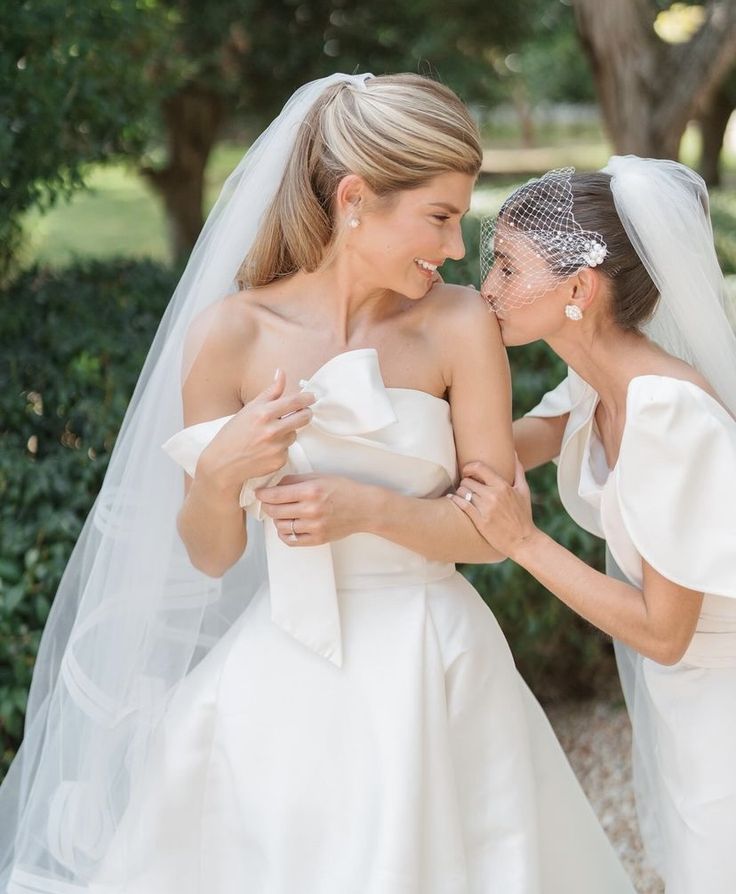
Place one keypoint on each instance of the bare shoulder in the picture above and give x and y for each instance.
(462, 327)
(217, 343)
(674, 368)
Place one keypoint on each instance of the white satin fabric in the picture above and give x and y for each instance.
(362, 727)
(669, 499)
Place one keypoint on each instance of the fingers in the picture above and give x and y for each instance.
(520, 483)
(279, 511)
(465, 505)
(292, 403)
(294, 421)
(275, 389)
(281, 493)
(305, 536)
(483, 473)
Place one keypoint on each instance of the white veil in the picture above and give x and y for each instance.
(664, 208)
(132, 616)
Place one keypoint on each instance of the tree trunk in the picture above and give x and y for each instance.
(192, 118)
(713, 121)
(648, 89)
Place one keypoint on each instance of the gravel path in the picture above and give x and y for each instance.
(597, 738)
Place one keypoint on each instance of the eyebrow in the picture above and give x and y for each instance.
(451, 208)
(502, 255)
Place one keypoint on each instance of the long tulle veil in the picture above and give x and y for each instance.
(132, 616)
(664, 208)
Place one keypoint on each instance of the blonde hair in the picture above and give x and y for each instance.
(396, 132)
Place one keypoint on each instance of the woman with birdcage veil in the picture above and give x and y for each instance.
(617, 272)
(222, 701)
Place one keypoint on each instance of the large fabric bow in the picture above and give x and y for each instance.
(352, 401)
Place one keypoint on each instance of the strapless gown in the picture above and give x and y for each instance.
(362, 728)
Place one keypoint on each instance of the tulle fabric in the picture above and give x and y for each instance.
(664, 208)
(132, 616)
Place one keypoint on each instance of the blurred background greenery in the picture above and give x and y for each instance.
(120, 119)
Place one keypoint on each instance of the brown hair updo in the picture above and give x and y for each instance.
(633, 294)
(395, 131)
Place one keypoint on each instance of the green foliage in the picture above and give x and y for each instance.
(75, 86)
(550, 61)
(72, 345)
(257, 52)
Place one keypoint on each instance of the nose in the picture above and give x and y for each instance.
(455, 247)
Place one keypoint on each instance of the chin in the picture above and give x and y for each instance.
(514, 339)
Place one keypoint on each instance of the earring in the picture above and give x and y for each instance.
(354, 223)
(573, 312)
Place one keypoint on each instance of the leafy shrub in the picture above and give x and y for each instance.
(72, 344)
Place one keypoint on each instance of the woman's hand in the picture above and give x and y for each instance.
(256, 440)
(500, 512)
(309, 510)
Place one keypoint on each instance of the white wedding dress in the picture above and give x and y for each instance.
(671, 499)
(361, 729)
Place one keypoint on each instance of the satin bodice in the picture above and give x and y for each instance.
(398, 438)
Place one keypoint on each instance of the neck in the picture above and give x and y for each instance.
(341, 300)
(607, 358)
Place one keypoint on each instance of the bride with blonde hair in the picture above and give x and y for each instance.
(222, 701)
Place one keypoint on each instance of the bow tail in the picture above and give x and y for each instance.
(302, 586)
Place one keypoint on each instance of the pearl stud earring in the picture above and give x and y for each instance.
(353, 223)
(573, 312)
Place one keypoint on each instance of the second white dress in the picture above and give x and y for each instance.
(670, 500)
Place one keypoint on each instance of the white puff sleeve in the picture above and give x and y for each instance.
(676, 483)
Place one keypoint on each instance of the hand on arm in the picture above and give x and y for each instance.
(657, 621)
(480, 397)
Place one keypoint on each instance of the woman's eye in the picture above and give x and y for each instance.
(506, 271)
(442, 217)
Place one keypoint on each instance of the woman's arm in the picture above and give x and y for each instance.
(254, 442)
(658, 620)
(328, 508)
(538, 439)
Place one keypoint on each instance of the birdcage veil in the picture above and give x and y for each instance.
(535, 241)
(132, 616)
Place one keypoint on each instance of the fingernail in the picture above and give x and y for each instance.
(276, 374)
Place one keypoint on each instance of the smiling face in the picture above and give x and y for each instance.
(404, 238)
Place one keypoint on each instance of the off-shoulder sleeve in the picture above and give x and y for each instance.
(186, 446)
(562, 399)
(676, 483)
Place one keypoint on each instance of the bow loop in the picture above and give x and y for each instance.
(351, 397)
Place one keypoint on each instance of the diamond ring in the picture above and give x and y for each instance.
(468, 496)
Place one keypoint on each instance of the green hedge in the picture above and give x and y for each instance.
(72, 344)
